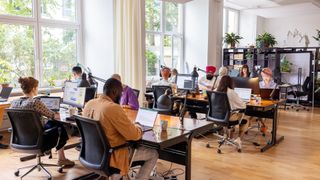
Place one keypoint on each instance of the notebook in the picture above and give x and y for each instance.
(244, 93)
(53, 103)
(146, 118)
(5, 93)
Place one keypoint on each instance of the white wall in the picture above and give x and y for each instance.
(196, 33)
(304, 24)
(98, 38)
(247, 29)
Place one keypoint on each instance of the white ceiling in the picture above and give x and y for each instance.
(275, 8)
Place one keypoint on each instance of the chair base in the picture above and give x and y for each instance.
(223, 141)
(39, 166)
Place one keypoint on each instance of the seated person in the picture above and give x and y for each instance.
(165, 74)
(226, 86)
(267, 80)
(84, 82)
(77, 74)
(128, 98)
(173, 77)
(223, 71)
(244, 71)
(119, 129)
(207, 82)
(29, 86)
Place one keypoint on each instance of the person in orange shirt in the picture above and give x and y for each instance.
(119, 129)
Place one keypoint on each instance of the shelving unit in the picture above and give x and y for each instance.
(270, 57)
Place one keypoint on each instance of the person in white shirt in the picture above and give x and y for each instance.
(226, 86)
(173, 78)
(165, 74)
(223, 71)
(207, 82)
(267, 80)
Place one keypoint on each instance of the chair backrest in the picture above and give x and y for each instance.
(95, 150)
(136, 92)
(157, 92)
(27, 130)
(219, 107)
(305, 85)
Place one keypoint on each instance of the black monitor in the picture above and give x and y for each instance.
(185, 82)
(74, 96)
(240, 82)
(90, 93)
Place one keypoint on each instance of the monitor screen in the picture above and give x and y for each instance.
(53, 103)
(184, 81)
(74, 96)
(70, 84)
(244, 93)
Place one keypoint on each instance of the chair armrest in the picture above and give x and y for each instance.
(49, 130)
(238, 110)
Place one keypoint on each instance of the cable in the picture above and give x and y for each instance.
(171, 172)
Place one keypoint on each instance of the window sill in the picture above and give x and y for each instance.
(42, 91)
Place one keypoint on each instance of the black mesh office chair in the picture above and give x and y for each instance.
(95, 151)
(164, 105)
(220, 113)
(136, 92)
(28, 136)
(300, 91)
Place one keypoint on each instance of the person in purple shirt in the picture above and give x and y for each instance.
(128, 98)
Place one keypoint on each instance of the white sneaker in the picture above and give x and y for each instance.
(238, 142)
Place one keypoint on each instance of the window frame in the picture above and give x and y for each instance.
(37, 23)
(162, 33)
(226, 20)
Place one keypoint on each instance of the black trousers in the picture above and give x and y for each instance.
(55, 138)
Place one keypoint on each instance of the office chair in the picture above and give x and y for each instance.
(28, 137)
(220, 113)
(136, 92)
(300, 91)
(161, 102)
(95, 151)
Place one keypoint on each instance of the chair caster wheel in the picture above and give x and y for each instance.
(208, 145)
(50, 157)
(49, 178)
(246, 132)
(16, 173)
(60, 170)
(219, 151)
(297, 110)
(239, 150)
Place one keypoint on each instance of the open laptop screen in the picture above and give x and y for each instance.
(244, 93)
(53, 103)
(146, 117)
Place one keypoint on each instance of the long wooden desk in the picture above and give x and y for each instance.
(267, 109)
(173, 145)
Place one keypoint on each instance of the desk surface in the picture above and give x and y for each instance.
(264, 103)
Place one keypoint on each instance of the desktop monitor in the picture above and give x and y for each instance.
(70, 84)
(90, 93)
(240, 82)
(74, 96)
(185, 82)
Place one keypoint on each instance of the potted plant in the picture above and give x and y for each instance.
(285, 65)
(5, 73)
(266, 40)
(231, 39)
(317, 38)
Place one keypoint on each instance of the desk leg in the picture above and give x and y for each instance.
(274, 139)
(188, 159)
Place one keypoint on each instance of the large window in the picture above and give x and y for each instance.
(39, 38)
(230, 21)
(164, 36)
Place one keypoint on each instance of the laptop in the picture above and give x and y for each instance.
(5, 93)
(269, 94)
(146, 118)
(244, 93)
(53, 103)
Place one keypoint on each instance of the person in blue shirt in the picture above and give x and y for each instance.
(77, 74)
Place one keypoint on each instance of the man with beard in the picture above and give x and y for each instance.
(119, 129)
(207, 82)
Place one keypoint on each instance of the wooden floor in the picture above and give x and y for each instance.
(297, 157)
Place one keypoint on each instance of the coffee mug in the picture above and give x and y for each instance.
(164, 125)
(72, 111)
